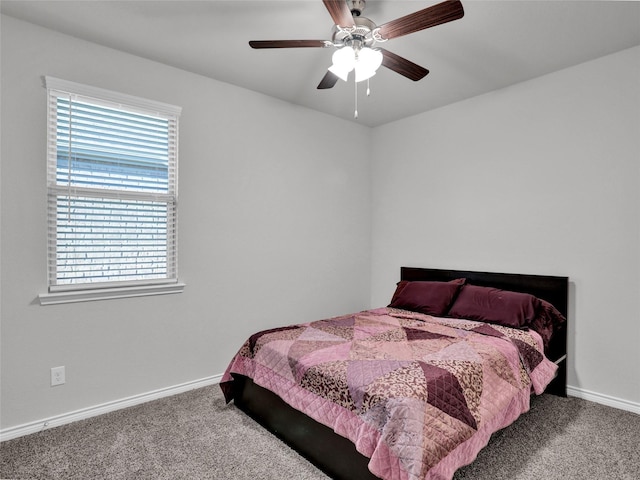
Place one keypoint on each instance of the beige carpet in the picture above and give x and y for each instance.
(196, 436)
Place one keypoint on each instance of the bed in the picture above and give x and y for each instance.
(338, 403)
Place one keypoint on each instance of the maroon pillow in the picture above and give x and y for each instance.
(547, 321)
(399, 287)
(486, 304)
(431, 298)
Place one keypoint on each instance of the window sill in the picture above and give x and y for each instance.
(109, 293)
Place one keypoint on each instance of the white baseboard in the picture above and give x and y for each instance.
(56, 421)
(604, 399)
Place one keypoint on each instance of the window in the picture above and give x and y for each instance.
(112, 194)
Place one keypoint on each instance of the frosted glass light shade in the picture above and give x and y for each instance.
(366, 63)
(339, 72)
(344, 59)
(369, 59)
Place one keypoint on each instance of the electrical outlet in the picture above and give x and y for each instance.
(57, 376)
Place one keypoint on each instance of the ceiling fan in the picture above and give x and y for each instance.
(356, 39)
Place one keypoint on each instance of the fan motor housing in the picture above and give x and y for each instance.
(360, 32)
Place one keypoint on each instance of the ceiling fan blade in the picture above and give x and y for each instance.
(339, 12)
(286, 43)
(328, 81)
(403, 66)
(429, 17)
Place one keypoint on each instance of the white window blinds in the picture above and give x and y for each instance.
(112, 188)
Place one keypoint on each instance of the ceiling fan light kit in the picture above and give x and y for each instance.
(355, 38)
(365, 61)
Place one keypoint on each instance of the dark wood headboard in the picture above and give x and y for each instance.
(554, 290)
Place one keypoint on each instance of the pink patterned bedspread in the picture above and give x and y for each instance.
(418, 395)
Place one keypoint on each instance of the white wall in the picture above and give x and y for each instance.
(274, 228)
(541, 177)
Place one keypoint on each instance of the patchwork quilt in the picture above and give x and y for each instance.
(418, 395)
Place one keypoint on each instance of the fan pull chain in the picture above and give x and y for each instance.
(368, 89)
(355, 113)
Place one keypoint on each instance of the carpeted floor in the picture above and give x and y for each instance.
(196, 436)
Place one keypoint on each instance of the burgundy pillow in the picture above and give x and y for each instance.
(431, 298)
(486, 304)
(547, 321)
(399, 287)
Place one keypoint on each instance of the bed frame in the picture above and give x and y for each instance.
(337, 456)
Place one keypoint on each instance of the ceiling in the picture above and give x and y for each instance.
(496, 44)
